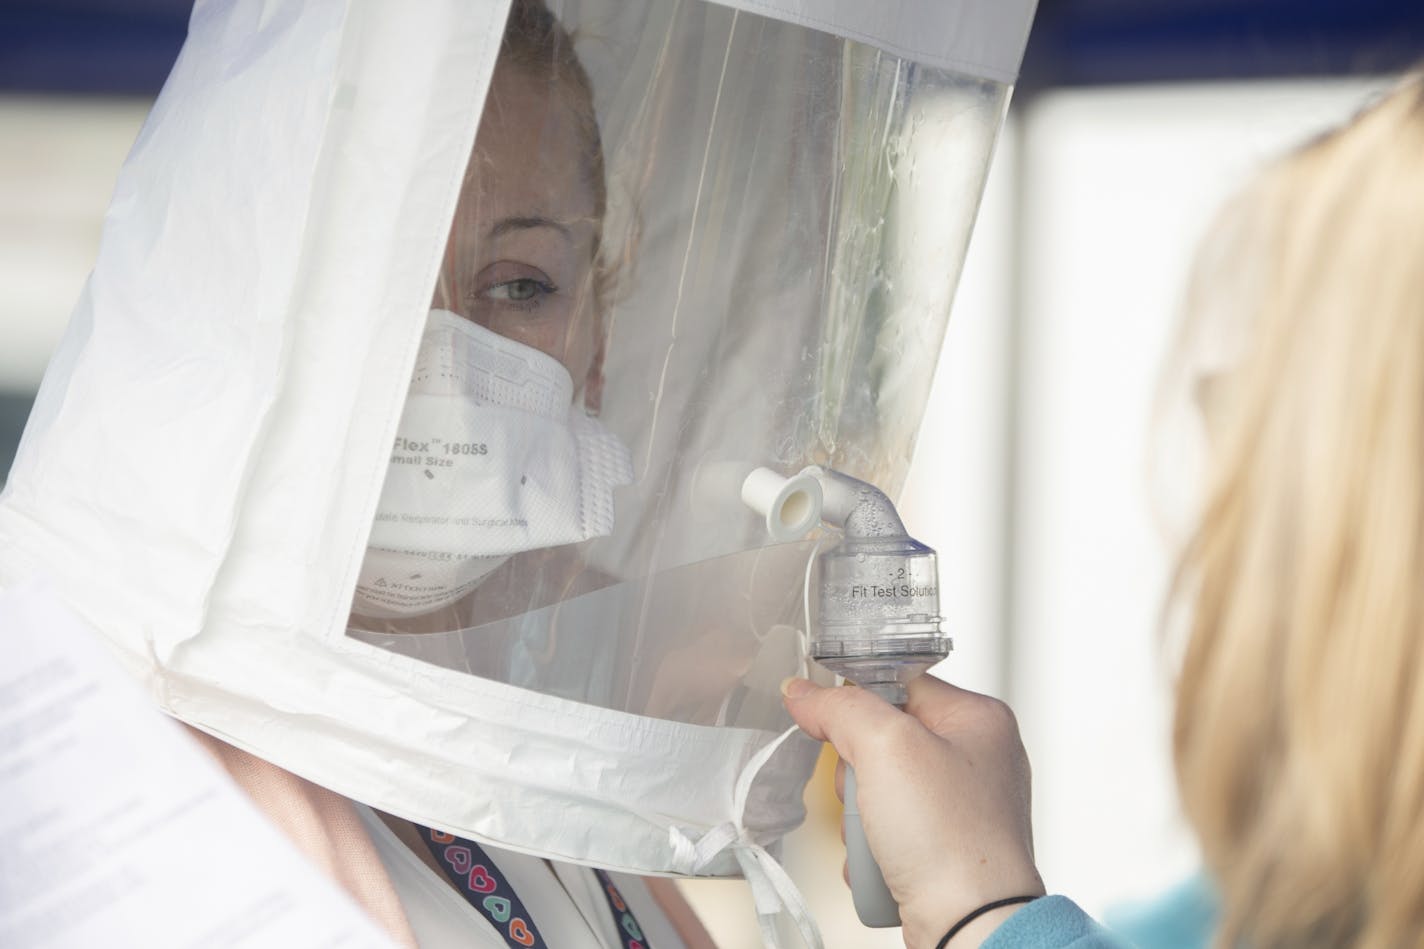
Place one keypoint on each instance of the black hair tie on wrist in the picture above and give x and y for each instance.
(975, 914)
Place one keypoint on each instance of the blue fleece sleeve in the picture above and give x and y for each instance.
(1052, 922)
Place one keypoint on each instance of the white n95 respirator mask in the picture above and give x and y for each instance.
(490, 459)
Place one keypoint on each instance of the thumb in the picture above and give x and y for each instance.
(845, 717)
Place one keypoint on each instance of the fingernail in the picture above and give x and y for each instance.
(794, 688)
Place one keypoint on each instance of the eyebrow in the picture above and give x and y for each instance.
(506, 225)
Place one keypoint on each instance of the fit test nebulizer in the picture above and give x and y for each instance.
(878, 619)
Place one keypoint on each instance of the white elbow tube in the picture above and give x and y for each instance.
(791, 506)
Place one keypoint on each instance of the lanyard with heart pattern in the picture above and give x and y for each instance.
(477, 877)
(628, 929)
(484, 887)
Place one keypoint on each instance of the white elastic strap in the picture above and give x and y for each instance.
(773, 890)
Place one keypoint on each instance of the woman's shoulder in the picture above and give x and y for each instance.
(1181, 917)
(1053, 922)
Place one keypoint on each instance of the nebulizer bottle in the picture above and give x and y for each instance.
(876, 619)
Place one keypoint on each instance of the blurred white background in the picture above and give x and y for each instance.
(1030, 478)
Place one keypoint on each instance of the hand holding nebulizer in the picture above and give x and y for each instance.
(878, 618)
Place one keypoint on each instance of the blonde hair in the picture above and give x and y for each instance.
(1299, 732)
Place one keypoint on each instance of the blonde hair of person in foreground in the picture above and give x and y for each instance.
(1299, 734)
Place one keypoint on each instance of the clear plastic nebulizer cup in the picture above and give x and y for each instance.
(879, 622)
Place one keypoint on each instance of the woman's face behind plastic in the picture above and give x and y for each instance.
(522, 248)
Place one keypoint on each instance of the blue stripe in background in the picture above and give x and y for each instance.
(128, 46)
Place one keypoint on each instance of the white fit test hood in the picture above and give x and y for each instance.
(720, 234)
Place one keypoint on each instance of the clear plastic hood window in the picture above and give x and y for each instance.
(690, 241)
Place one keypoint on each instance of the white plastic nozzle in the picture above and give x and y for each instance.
(791, 506)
